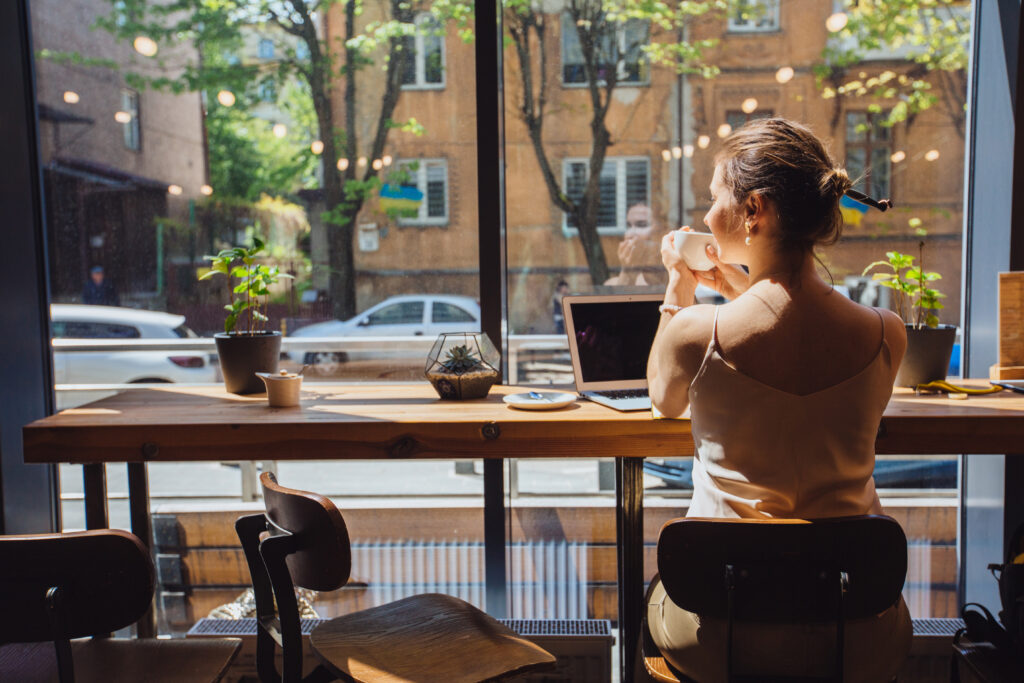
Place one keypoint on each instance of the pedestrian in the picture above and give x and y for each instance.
(99, 291)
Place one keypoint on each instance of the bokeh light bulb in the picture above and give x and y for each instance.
(145, 46)
(666, 155)
(703, 141)
(122, 117)
(280, 130)
(174, 189)
(898, 156)
(387, 159)
(342, 164)
(687, 151)
(724, 130)
(206, 190)
(677, 152)
(377, 164)
(932, 154)
(71, 97)
(226, 98)
(749, 105)
(837, 22)
(362, 161)
(784, 75)
(317, 147)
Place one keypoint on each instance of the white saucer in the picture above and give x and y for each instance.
(549, 400)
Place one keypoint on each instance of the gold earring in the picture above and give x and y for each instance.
(747, 240)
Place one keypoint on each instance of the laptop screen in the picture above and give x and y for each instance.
(613, 338)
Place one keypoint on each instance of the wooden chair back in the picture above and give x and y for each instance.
(105, 579)
(322, 560)
(783, 570)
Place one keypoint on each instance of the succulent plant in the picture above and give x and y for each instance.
(461, 360)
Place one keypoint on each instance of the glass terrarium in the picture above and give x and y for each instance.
(463, 365)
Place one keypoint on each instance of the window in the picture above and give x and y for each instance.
(750, 16)
(72, 329)
(267, 91)
(736, 118)
(625, 181)
(129, 118)
(265, 49)
(450, 313)
(621, 49)
(425, 66)
(868, 152)
(428, 180)
(405, 313)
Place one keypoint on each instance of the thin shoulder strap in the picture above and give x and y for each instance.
(713, 343)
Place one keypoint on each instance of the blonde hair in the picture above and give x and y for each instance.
(785, 162)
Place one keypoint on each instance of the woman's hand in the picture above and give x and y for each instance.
(682, 282)
(728, 280)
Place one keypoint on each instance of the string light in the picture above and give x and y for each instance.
(361, 162)
(784, 75)
(377, 164)
(206, 190)
(703, 141)
(71, 97)
(342, 164)
(226, 98)
(898, 156)
(687, 151)
(145, 46)
(724, 130)
(666, 155)
(280, 130)
(122, 117)
(931, 155)
(749, 105)
(837, 22)
(677, 152)
(387, 159)
(174, 189)
(317, 147)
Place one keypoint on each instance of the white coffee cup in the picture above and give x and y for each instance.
(691, 248)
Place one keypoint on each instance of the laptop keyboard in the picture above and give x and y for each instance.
(623, 393)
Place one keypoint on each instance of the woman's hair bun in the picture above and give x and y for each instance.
(835, 181)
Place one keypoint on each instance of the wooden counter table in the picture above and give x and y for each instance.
(408, 421)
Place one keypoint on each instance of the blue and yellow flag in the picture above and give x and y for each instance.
(404, 199)
(852, 210)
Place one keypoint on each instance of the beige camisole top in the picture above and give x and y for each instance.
(766, 453)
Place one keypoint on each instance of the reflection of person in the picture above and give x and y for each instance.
(638, 248)
(561, 289)
(785, 385)
(98, 291)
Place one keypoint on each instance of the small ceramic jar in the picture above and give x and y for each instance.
(282, 388)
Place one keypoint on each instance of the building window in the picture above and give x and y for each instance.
(625, 181)
(265, 49)
(751, 16)
(622, 49)
(737, 118)
(868, 152)
(130, 124)
(425, 182)
(267, 91)
(424, 68)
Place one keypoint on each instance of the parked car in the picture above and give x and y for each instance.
(75, 321)
(412, 315)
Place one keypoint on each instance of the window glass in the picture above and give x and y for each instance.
(754, 15)
(620, 47)
(868, 137)
(405, 312)
(623, 183)
(443, 312)
(74, 329)
(424, 54)
(421, 194)
(129, 118)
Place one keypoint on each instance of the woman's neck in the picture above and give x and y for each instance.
(790, 269)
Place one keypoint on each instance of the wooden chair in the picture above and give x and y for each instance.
(302, 541)
(58, 587)
(782, 571)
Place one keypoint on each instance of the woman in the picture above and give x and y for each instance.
(785, 386)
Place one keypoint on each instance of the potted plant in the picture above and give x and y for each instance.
(929, 344)
(246, 347)
(463, 365)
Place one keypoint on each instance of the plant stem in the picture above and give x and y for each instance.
(920, 280)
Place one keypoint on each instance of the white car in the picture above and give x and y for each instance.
(412, 315)
(76, 321)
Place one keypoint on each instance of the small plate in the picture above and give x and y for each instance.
(549, 400)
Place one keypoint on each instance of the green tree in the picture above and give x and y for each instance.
(216, 29)
(932, 36)
(614, 38)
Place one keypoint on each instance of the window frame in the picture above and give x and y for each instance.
(869, 145)
(566, 27)
(620, 191)
(422, 219)
(265, 49)
(419, 56)
(772, 7)
(131, 131)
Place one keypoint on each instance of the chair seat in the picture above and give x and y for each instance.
(424, 638)
(110, 659)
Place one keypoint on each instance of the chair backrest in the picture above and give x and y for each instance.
(323, 560)
(105, 579)
(784, 570)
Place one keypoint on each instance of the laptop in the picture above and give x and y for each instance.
(610, 337)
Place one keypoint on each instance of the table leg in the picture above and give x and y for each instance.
(494, 538)
(629, 525)
(94, 483)
(138, 504)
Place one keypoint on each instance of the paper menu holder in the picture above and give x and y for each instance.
(1011, 328)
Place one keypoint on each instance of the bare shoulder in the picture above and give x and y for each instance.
(895, 333)
(691, 327)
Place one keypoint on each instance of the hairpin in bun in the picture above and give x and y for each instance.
(880, 204)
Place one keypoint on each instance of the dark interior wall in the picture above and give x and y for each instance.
(28, 493)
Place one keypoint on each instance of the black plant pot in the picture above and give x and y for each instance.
(927, 357)
(243, 355)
